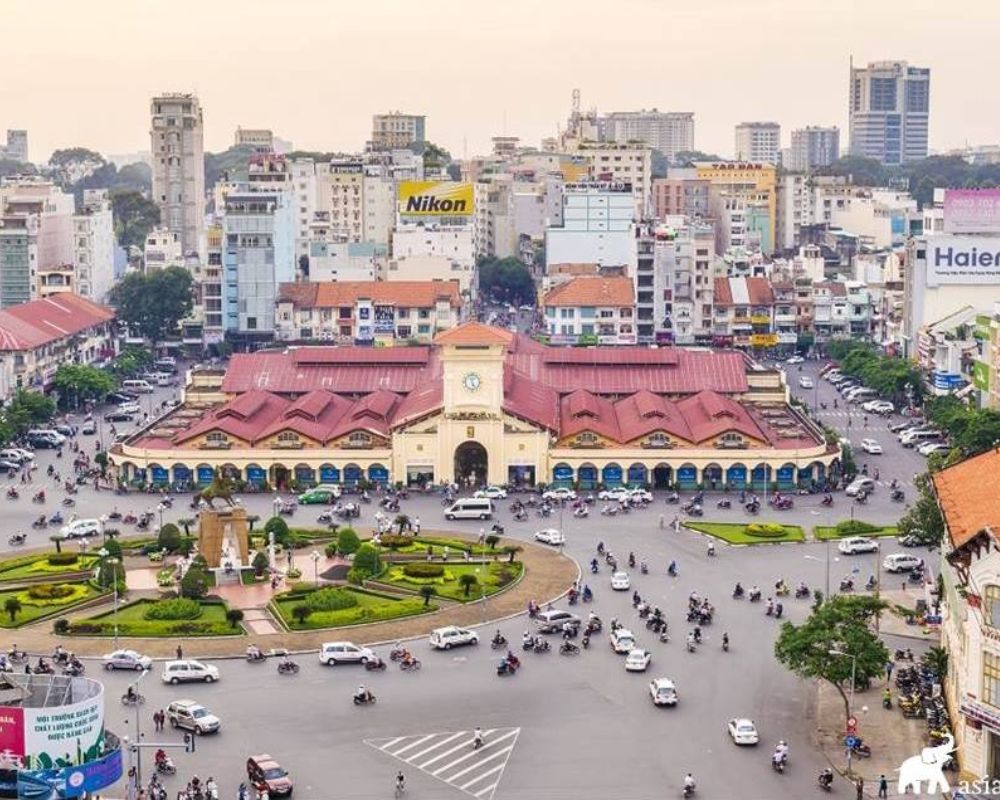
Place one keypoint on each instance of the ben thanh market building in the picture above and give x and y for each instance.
(484, 405)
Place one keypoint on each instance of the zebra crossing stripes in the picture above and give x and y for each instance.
(450, 757)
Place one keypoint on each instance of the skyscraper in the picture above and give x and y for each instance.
(177, 144)
(889, 110)
(813, 147)
(758, 141)
(670, 132)
(397, 131)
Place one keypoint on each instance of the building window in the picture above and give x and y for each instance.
(992, 598)
(288, 437)
(658, 440)
(991, 678)
(216, 437)
(586, 438)
(360, 439)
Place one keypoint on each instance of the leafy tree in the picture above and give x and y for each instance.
(260, 563)
(279, 528)
(506, 280)
(492, 541)
(347, 541)
(113, 549)
(252, 520)
(861, 171)
(152, 303)
(301, 613)
(937, 659)
(131, 361)
(76, 382)
(134, 215)
(12, 606)
(75, 155)
(844, 625)
(232, 162)
(10, 167)
(427, 592)
(366, 559)
(467, 580)
(101, 459)
(234, 617)
(134, 177)
(186, 523)
(402, 522)
(194, 584)
(28, 410)
(686, 158)
(923, 518)
(111, 572)
(169, 538)
(57, 539)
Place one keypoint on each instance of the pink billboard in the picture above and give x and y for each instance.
(11, 736)
(972, 210)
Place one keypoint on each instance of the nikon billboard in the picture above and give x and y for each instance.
(435, 199)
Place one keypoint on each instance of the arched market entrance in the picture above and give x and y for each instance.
(471, 464)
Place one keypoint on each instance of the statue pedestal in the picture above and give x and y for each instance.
(222, 530)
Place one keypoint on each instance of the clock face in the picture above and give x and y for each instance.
(472, 381)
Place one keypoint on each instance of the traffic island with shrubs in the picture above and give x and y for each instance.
(752, 533)
(46, 567)
(309, 608)
(173, 617)
(460, 582)
(26, 604)
(853, 527)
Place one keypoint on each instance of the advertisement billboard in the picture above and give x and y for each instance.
(435, 199)
(972, 211)
(70, 781)
(963, 260)
(385, 319)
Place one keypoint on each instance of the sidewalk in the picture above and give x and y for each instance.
(547, 575)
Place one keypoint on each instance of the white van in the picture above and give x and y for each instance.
(164, 379)
(917, 438)
(44, 437)
(470, 508)
(136, 385)
(861, 395)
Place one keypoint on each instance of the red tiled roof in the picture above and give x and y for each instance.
(644, 413)
(723, 295)
(587, 290)
(530, 400)
(582, 411)
(313, 415)
(474, 333)
(424, 400)
(405, 294)
(372, 412)
(244, 418)
(760, 291)
(40, 322)
(967, 493)
(361, 355)
(710, 414)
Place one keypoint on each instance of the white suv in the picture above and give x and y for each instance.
(447, 638)
(81, 529)
(184, 671)
(332, 653)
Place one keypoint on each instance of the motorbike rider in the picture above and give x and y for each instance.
(130, 693)
(160, 757)
(672, 569)
(781, 752)
(696, 633)
(826, 777)
(691, 641)
(527, 640)
(363, 694)
(688, 783)
(588, 595)
(738, 590)
(253, 652)
(802, 588)
(211, 788)
(477, 738)
(754, 592)
(711, 548)
(770, 607)
(725, 641)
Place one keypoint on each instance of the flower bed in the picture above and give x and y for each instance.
(133, 621)
(855, 527)
(29, 567)
(738, 533)
(368, 607)
(492, 578)
(38, 606)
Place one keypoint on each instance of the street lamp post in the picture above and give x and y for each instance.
(315, 556)
(103, 553)
(103, 519)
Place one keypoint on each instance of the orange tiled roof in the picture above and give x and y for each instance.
(405, 294)
(592, 291)
(474, 333)
(967, 493)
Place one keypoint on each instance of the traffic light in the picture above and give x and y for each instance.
(189, 743)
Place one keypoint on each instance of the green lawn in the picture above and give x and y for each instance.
(735, 532)
(832, 532)
(494, 577)
(26, 567)
(371, 607)
(132, 622)
(439, 543)
(32, 609)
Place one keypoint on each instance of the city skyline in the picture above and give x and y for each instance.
(323, 83)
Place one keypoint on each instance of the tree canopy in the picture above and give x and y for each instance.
(134, 215)
(886, 375)
(972, 430)
(152, 303)
(78, 382)
(25, 410)
(923, 518)
(843, 625)
(506, 280)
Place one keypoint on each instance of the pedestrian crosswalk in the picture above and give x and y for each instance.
(451, 757)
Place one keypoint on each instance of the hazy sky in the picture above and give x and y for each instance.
(314, 71)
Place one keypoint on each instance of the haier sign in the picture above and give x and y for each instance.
(963, 260)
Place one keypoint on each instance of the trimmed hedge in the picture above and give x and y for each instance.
(855, 527)
(419, 570)
(765, 530)
(180, 608)
(330, 599)
(62, 559)
(51, 591)
(394, 541)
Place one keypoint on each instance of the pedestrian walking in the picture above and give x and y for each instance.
(883, 787)
(180, 652)
(859, 784)
(889, 667)
(416, 525)
(677, 524)
(663, 521)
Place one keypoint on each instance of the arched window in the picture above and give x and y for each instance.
(288, 437)
(216, 437)
(360, 439)
(586, 438)
(992, 598)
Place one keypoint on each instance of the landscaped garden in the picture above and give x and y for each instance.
(46, 566)
(750, 533)
(159, 618)
(305, 609)
(461, 582)
(854, 527)
(20, 606)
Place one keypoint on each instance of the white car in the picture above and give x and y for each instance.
(743, 731)
(550, 536)
(562, 493)
(795, 360)
(452, 636)
(637, 660)
(81, 529)
(931, 448)
(622, 641)
(857, 544)
(871, 447)
(620, 494)
(192, 716)
(805, 382)
(492, 492)
(859, 485)
(882, 407)
(129, 408)
(901, 562)
(663, 692)
(641, 495)
(188, 670)
(127, 659)
(333, 653)
(620, 582)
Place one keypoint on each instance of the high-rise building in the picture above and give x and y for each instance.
(94, 246)
(261, 139)
(889, 110)
(743, 201)
(813, 147)
(670, 132)
(758, 141)
(17, 146)
(176, 139)
(396, 131)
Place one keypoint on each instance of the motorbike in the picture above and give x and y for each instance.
(74, 669)
(129, 519)
(903, 655)
(738, 592)
(288, 668)
(13, 494)
(898, 495)
(507, 667)
(752, 508)
(847, 585)
(497, 529)
(368, 699)
(673, 497)
(826, 501)
(69, 502)
(781, 590)
(498, 642)
(567, 648)
(778, 763)
(755, 596)
(396, 653)
(541, 645)
(38, 497)
(41, 522)
(825, 781)
(134, 699)
(255, 657)
(861, 749)
(166, 767)
(725, 502)
(688, 790)
(17, 538)
(410, 666)
(56, 519)
(801, 591)
(374, 664)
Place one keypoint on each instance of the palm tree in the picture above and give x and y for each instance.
(186, 523)
(492, 541)
(234, 617)
(12, 606)
(57, 539)
(402, 521)
(301, 612)
(467, 581)
(252, 520)
(937, 659)
(427, 592)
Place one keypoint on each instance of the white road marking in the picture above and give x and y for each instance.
(402, 750)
